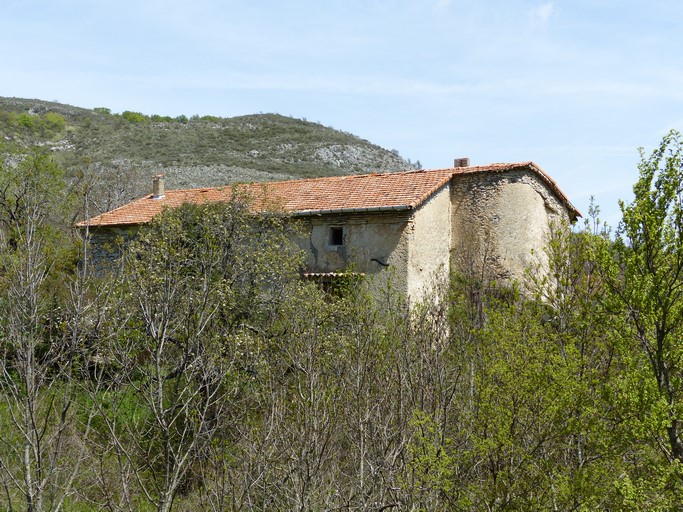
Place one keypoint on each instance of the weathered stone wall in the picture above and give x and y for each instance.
(374, 244)
(106, 245)
(410, 249)
(501, 224)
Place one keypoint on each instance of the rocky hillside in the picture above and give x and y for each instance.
(122, 151)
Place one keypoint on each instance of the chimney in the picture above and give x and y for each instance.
(158, 187)
(461, 162)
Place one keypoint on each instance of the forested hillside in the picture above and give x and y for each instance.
(123, 151)
(202, 373)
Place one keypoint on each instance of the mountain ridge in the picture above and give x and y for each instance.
(122, 151)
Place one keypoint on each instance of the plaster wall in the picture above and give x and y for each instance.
(501, 224)
(374, 244)
(429, 242)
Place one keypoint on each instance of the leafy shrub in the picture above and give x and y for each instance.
(26, 121)
(161, 119)
(134, 117)
(52, 124)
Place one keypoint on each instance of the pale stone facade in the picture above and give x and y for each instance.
(492, 225)
(410, 248)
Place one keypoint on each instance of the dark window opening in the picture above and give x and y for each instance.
(337, 235)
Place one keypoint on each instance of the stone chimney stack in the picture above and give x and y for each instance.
(158, 187)
(461, 162)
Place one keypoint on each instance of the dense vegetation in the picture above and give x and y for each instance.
(204, 374)
(125, 150)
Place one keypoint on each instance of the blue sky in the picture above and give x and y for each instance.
(574, 85)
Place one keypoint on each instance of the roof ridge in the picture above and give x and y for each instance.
(351, 176)
(301, 180)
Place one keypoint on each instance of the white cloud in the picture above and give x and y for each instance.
(539, 15)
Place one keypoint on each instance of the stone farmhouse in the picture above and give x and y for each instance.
(413, 227)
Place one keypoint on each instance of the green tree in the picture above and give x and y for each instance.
(52, 124)
(133, 117)
(43, 443)
(198, 290)
(643, 272)
(522, 421)
(27, 121)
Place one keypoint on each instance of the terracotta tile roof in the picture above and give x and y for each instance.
(368, 192)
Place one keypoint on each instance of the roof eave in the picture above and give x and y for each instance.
(308, 213)
(85, 224)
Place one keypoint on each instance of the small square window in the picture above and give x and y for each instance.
(336, 235)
